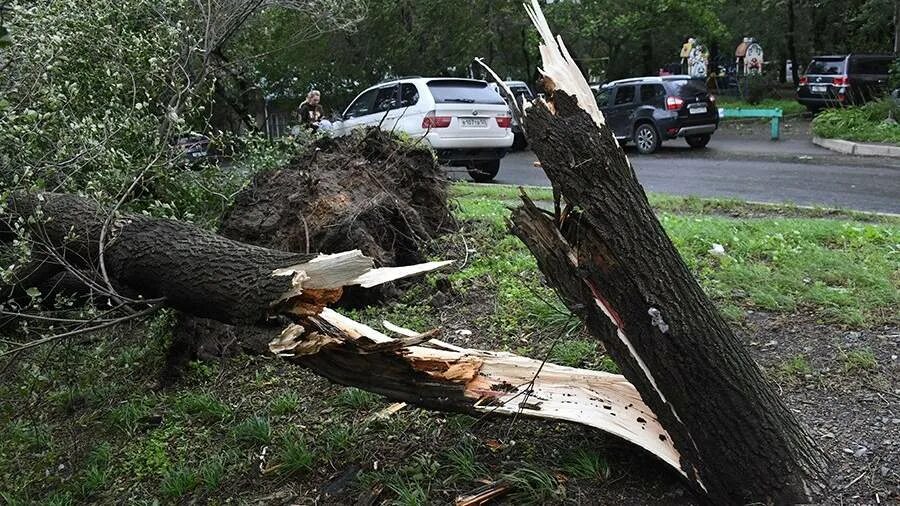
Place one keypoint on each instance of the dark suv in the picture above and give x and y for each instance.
(852, 79)
(648, 110)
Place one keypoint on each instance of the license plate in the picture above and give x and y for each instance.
(698, 110)
(473, 122)
(819, 89)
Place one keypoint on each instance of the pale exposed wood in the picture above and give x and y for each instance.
(489, 382)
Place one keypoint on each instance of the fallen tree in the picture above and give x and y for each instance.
(608, 257)
(209, 276)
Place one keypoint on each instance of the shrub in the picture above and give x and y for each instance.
(873, 122)
(759, 87)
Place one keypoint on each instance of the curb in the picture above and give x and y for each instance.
(858, 148)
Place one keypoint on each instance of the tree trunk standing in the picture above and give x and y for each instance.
(613, 264)
(791, 42)
(896, 27)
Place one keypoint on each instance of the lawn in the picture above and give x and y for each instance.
(86, 420)
(788, 106)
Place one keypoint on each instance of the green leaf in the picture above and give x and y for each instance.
(33, 292)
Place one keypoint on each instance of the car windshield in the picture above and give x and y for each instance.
(465, 92)
(687, 87)
(823, 67)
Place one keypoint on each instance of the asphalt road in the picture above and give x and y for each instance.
(793, 170)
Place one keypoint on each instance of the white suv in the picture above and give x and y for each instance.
(465, 121)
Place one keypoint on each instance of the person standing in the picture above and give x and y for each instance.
(310, 111)
(685, 53)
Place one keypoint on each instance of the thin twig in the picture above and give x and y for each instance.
(64, 335)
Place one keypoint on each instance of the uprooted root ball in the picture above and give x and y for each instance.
(372, 191)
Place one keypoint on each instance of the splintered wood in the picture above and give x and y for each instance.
(448, 377)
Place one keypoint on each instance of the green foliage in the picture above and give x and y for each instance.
(212, 473)
(894, 82)
(127, 417)
(587, 465)
(787, 106)
(796, 367)
(296, 456)
(284, 404)
(201, 406)
(178, 482)
(858, 361)
(534, 486)
(573, 353)
(255, 430)
(463, 463)
(759, 87)
(338, 438)
(357, 399)
(876, 121)
(85, 92)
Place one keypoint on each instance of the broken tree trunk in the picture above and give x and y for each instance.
(210, 276)
(195, 271)
(612, 263)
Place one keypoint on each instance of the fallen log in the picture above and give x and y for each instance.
(195, 271)
(608, 257)
(210, 276)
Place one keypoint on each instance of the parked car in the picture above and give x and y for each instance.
(191, 149)
(466, 121)
(850, 79)
(521, 93)
(649, 110)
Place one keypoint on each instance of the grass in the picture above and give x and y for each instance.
(858, 361)
(840, 268)
(787, 106)
(463, 464)
(296, 456)
(284, 404)
(795, 367)
(534, 486)
(587, 466)
(573, 353)
(202, 407)
(94, 405)
(357, 399)
(179, 482)
(873, 122)
(255, 430)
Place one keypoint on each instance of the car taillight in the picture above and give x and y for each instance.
(804, 80)
(431, 121)
(841, 81)
(503, 121)
(674, 103)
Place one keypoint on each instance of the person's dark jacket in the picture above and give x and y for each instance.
(310, 115)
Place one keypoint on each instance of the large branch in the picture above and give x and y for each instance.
(206, 275)
(436, 375)
(609, 258)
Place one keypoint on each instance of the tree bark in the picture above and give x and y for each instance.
(209, 276)
(790, 39)
(613, 264)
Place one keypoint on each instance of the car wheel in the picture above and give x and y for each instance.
(813, 110)
(698, 141)
(483, 172)
(646, 139)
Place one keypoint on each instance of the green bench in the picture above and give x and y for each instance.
(775, 114)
